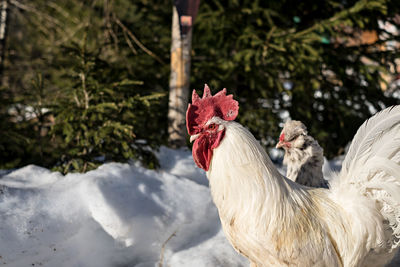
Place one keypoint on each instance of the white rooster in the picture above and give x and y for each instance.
(274, 221)
(304, 157)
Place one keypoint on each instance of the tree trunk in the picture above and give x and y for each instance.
(3, 33)
(179, 83)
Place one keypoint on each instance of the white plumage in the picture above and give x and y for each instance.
(274, 221)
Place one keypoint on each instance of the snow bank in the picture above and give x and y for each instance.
(116, 215)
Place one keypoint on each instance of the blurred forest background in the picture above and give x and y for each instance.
(83, 82)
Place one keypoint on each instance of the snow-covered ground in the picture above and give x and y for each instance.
(117, 215)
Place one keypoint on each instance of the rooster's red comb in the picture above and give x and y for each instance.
(203, 109)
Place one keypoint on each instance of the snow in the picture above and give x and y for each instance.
(116, 215)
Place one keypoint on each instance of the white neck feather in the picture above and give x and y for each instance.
(244, 181)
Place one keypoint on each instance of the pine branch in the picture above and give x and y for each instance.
(359, 6)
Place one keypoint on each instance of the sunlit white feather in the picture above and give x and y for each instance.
(276, 222)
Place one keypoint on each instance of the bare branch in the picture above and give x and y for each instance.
(61, 10)
(32, 9)
(137, 42)
(160, 263)
(72, 33)
(134, 51)
(108, 25)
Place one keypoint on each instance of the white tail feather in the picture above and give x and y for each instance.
(373, 166)
(361, 148)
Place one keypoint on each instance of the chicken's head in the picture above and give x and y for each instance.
(292, 135)
(205, 119)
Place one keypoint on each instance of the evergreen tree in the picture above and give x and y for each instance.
(304, 59)
(295, 57)
(102, 116)
(124, 80)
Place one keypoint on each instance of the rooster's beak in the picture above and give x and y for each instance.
(193, 137)
(280, 144)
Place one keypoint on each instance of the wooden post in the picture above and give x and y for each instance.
(179, 83)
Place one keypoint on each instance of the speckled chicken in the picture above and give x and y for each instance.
(304, 157)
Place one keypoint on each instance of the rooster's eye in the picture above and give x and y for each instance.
(212, 126)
